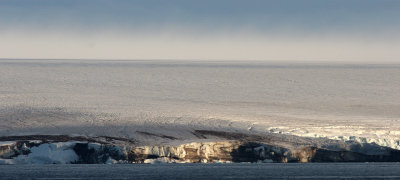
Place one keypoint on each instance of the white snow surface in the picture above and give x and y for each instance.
(119, 98)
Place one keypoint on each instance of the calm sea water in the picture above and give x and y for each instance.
(205, 171)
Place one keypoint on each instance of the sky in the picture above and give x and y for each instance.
(267, 30)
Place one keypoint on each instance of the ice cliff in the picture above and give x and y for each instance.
(215, 147)
(383, 137)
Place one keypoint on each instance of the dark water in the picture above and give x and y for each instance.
(205, 171)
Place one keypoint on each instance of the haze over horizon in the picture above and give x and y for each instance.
(309, 30)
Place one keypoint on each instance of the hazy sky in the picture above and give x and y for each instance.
(308, 30)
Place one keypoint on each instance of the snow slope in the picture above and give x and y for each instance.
(148, 100)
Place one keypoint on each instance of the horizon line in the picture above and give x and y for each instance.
(283, 61)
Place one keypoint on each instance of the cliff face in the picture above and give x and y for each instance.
(245, 148)
(196, 152)
(234, 151)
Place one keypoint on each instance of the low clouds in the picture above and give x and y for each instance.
(224, 30)
(192, 47)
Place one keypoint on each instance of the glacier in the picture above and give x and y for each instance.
(169, 103)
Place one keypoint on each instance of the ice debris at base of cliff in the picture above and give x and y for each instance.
(47, 153)
(36, 152)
